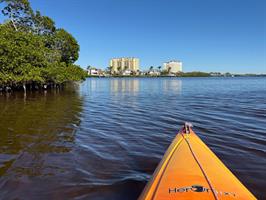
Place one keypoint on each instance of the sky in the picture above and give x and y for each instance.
(206, 35)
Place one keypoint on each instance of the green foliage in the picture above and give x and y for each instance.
(164, 72)
(194, 74)
(33, 50)
(67, 45)
(43, 25)
(60, 73)
(22, 56)
(19, 12)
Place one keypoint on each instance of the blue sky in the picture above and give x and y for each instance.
(207, 35)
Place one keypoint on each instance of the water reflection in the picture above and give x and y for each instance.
(132, 86)
(172, 85)
(34, 127)
(124, 86)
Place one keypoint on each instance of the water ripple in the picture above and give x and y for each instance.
(105, 139)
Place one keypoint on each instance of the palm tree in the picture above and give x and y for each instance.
(119, 69)
(109, 69)
(88, 70)
(169, 70)
(151, 68)
(159, 68)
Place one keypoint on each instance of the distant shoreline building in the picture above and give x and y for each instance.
(173, 66)
(93, 71)
(122, 64)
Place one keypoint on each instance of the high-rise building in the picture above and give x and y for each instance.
(173, 66)
(121, 64)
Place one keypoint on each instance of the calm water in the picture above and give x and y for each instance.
(103, 139)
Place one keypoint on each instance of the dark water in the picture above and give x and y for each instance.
(104, 139)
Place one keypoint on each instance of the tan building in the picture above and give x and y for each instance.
(173, 66)
(122, 64)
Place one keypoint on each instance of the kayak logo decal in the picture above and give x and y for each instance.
(198, 188)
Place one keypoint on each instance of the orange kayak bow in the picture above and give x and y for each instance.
(190, 170)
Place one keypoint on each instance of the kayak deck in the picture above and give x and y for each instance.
(190, 170)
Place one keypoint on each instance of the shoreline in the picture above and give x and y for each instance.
(121, 76)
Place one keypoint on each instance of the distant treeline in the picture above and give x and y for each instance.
(193, 74)
(34, 53)
(182, 74)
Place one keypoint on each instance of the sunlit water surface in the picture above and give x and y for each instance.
(104, 138)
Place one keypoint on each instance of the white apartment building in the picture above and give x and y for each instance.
(122, 64)
(173, 66)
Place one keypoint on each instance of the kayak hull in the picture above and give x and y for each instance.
(190, 170)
